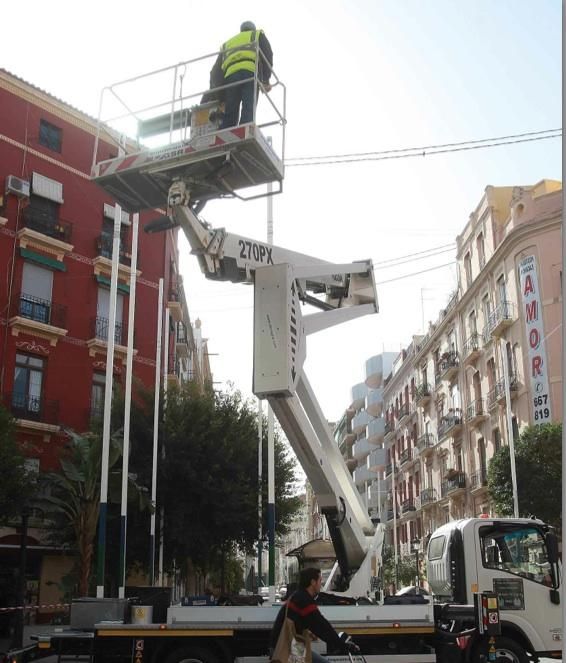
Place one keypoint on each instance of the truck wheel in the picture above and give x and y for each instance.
(191, 655)
(506, 651)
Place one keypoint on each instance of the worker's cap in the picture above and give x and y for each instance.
(247, 25)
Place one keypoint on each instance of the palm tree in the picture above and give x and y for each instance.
(74, 494)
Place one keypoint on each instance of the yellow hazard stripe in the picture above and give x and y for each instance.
(164, 633)
(387, 630)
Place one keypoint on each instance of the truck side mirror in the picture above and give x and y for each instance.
(551, 547)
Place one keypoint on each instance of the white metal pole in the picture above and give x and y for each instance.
(394, 495)
(509, 418)
(563, 601)
(259, 492)
(127, 407)
(155, 433)
(101, 557)
(270, 435)
(165, 385)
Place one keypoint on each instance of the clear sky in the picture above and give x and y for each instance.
(361, 75)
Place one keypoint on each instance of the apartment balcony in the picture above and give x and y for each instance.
(487, 338)
(428, 497)
(476, 412)
(450, 424)
(500, 318)
(349, 438)
(454, 484)
(405, 412)
(103, 261)
(389, 469)
(40, 231)
(478, 480)
(105, 246)
(360, 421)
(472, 348)
(423, 394)
(425, 443)
(408, 506)
(181, 340)
(496, 395)
(405, 457)
(26, 409)
(374, 402)
(98, 341)
(376, 430)
(448, 366)
(390, 514)
(361, 449)
(39, 317)
(389, 428)
(377, 459)
(55, 228)
(358, 394)
(362, 475)
(374, 372)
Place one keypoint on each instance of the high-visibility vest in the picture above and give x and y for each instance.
(237, 54)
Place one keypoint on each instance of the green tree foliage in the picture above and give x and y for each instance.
(208, 483)
(17, 485)
(406, 569)
(538, 459)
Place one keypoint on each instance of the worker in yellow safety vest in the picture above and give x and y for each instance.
(237, 62)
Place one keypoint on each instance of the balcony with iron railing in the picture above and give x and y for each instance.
(486, 336)
(389, 427)
(404, 413)
(389, 469)
(408, 505)
(40, 310)
(478, 479)
(450, 424)
(423, 394)
(105, 245)
(500, 318)
(447, 366)
(454, 483)
(472, 347)
(496, 394)
(42, 223)
(476, 412)
(33, 408)
(390, 514)
(425, 443)
(405, 456)
(182, 340)
(100, 330)
(428, 497)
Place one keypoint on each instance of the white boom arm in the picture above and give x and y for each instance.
(283, 280)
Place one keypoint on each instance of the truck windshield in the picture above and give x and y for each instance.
(518, 550)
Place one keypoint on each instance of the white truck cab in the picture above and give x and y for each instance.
(515, 558)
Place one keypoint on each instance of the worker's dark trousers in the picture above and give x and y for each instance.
(236, 95)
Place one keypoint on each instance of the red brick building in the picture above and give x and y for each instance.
(55, 254)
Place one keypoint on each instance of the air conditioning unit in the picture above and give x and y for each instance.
(17, 186)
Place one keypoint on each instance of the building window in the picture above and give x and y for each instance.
(103, 316)
(50, 136)
(97, 392)
(35, 297)
(468, 269)
(28, 380)
(515, 428)
(481, 250)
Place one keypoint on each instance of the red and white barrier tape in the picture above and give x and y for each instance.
(35, 607)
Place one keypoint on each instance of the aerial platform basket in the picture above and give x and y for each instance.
(169, 139)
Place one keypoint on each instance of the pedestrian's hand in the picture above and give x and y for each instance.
(349, 645)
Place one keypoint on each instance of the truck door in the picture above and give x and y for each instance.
(513, 561)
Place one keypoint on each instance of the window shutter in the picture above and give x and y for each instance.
(109, 214)
(47, 188)
(37, 282)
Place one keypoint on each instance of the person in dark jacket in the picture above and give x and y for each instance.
(236, 63)
(302, 609)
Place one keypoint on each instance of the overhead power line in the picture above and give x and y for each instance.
(422, 271)
(411, 152)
